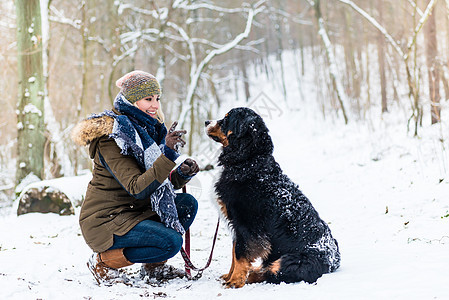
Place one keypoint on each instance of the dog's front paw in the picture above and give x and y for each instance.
(225, 277)
(235, 282)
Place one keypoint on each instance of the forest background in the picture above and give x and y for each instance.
(368, 57)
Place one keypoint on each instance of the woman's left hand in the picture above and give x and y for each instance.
(189, 167)
(174, 139)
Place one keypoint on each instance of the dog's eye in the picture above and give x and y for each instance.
(224, 122)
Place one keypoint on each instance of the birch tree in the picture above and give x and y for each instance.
(30, 108)
(381, 61)
(333, 72)
(433, 69)
(56, 155)
(198, 65)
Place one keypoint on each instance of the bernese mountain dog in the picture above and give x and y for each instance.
(270, 218)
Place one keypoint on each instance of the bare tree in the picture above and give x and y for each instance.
(336, 80)
(381, 59)
(198, 66)
(433, 69)
(30, 108)
(406, 55)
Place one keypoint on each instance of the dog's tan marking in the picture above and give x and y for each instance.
(225, 142)
(216, 132)
(229, 133)
(226, 277)
(275, 267)
(239, 274)
(223, 208)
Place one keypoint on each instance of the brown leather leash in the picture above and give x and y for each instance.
(185, 253)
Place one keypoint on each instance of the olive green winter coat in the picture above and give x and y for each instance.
(116, 199)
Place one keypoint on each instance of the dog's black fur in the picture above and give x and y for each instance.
(270, 217)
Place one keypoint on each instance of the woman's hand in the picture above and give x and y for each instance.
(189, 167)
(173, 139)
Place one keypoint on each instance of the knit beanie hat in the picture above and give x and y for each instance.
(136, 85)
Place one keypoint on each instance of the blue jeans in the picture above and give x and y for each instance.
(151, 241)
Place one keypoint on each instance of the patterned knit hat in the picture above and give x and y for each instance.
(136, 85)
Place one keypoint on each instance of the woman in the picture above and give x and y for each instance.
(130, 213)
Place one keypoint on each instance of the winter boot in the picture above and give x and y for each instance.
(160, 271)
(104, 266)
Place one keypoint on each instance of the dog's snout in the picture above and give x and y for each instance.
(206, 123)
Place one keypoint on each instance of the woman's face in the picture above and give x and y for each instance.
(149, 105)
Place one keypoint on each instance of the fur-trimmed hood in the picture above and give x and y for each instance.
(90, 129)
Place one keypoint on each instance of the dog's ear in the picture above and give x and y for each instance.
(244, 126)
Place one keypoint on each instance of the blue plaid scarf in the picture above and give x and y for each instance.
(143, 137)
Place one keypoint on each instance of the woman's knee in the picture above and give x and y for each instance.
(188, 201)
(174, 244)
(187, 207)
(193, 203)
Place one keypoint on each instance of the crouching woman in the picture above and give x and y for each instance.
(131, 213)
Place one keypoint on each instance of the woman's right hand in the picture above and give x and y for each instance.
(189, 167)
(173, 139)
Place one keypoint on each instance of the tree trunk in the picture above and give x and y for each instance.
(367, 71)
(279, 52)
(381, 58)
(333, 72)
(84, 31)
(30, 108)
(301, 49)
(433, 69)
(445, 85)
(245, 78)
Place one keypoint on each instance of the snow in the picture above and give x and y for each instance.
(31, 108)
(383, 193)
(74, 187)
(34, 40)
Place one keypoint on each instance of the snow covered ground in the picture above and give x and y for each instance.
(385, 195)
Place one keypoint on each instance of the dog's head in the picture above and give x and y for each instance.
(243, 134)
